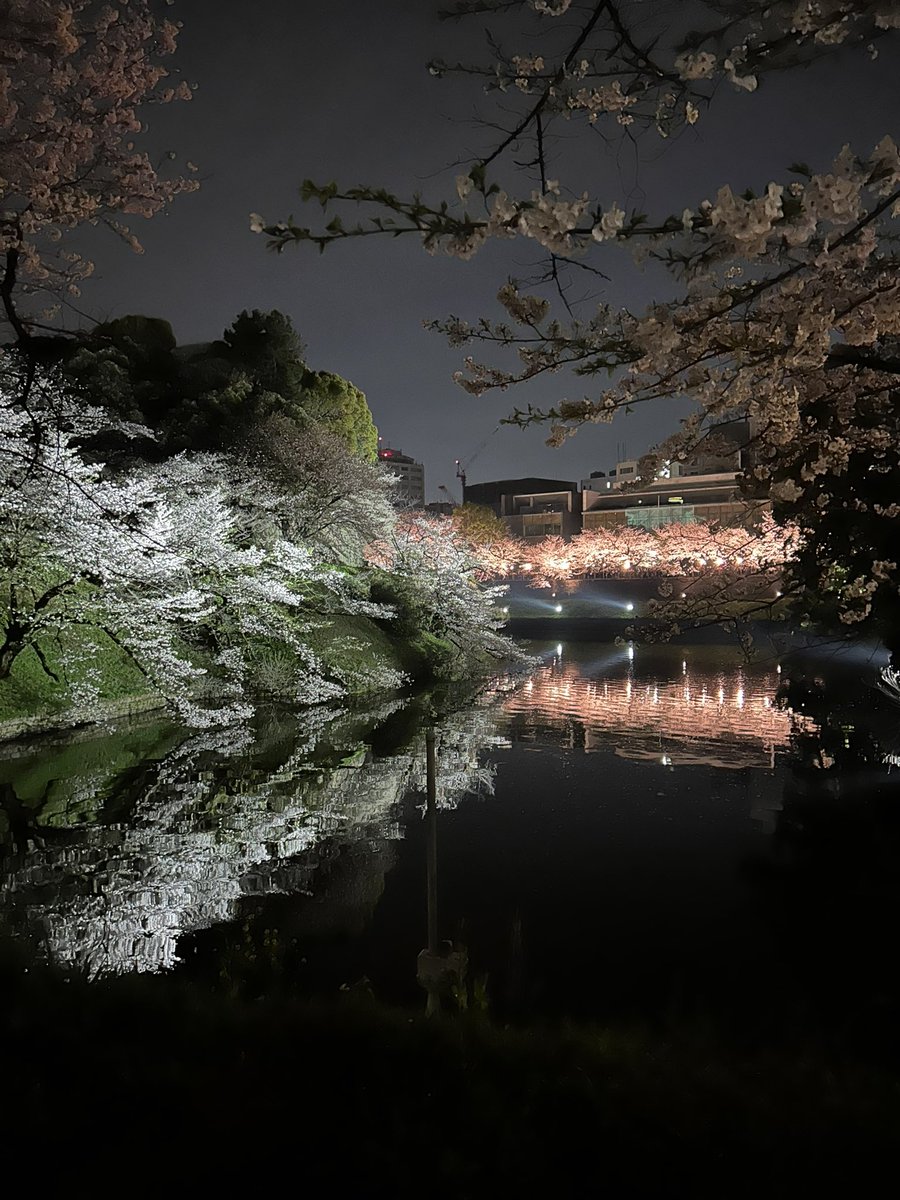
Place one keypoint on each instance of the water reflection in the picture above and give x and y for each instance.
(107, 867)
(441, 966)
(657, 705)
(118, 852)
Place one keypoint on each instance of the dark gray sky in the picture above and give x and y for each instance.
(287, 89)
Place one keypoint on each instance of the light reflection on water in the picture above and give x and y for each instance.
(117, 852)
(670, 710)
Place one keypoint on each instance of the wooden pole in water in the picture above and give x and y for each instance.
(431, 840)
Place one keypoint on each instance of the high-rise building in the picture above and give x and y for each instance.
(410, 489)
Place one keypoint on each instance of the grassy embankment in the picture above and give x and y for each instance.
(354, 649)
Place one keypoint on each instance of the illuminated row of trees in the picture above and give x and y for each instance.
(625, 551)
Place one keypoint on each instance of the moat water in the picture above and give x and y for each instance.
(631, 833)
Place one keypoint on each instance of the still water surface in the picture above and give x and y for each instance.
(642, 834)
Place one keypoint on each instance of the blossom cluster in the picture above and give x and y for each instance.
(625, 551)
(448, 578)
(72, 78)
(154, 558)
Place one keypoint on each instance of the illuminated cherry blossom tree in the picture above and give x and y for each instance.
(692, 549)
(174, 562)
(74, 79)
(443, 575)
(198, 567)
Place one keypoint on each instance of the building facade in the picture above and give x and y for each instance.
(683, 499)
(531, 507)
(555, 507)
(410, 489)
(704, 487)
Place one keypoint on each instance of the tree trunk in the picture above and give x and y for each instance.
(7, 287)
(9, 652)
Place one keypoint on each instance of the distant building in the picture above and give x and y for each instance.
(712, 497)
(625, 472)
(439, 508)
(704, 487)
(724, 449)
(595, 482)
(410, 490)
(531, 507)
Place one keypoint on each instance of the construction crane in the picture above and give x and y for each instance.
(462, 467)
(461, 476)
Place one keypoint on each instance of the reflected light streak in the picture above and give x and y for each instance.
(743, 728)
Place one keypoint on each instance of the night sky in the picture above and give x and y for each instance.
(339, 90)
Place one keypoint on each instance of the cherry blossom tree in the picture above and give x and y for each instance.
(500, 559)
(197, 566)
(78, 549)
(552, 562)
(169, 561)
(74, 78)
(783, 305)
(439, 570)
(328, 497)
(693, 548)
